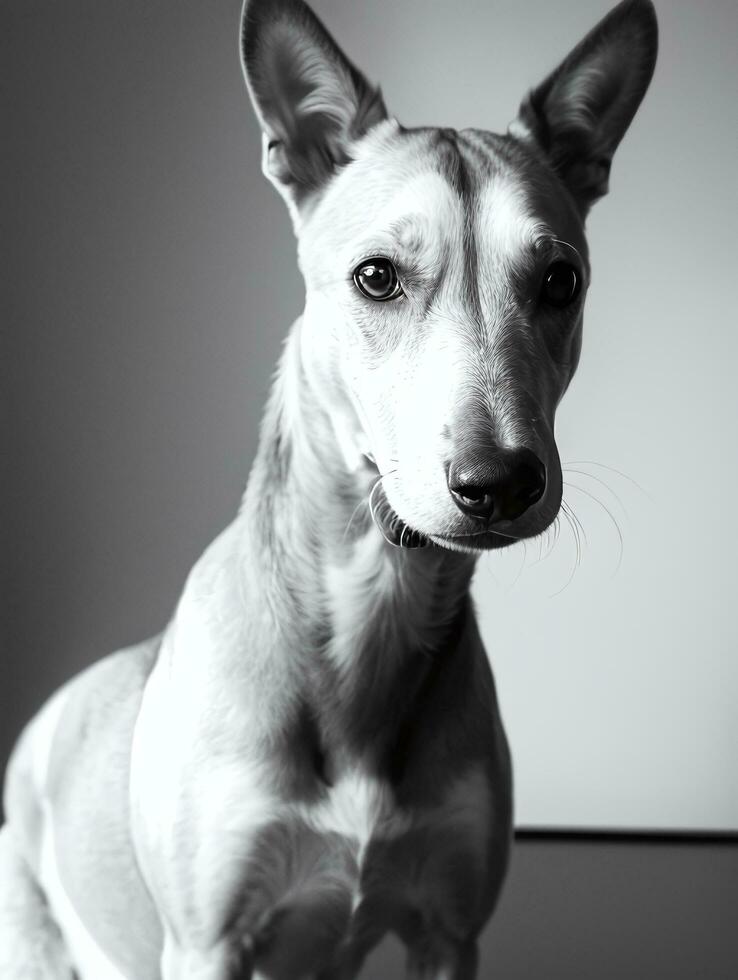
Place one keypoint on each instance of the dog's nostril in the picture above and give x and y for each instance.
(500, 488)
(471, 498)
(479, 496)
(531, 485)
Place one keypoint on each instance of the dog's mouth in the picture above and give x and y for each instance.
(394, 530)
(399, 534)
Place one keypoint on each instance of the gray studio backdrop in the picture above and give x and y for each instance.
(148, 277)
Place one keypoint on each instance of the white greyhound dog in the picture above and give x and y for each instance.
(311, 754)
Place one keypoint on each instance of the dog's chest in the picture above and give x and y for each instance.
(348, 866)
(357, 808)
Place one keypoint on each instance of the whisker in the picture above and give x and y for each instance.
(621, 543)
(565, 512)
(475, 534)
(549, 538)
(575, 518)
(559, 241)
(557, 530)
(362, 503)
(553, 535)
(607, 486)
(612, 469)
(392, 519)
(372, 502)
(580, 528)
(365, 502)
(573, 528)
(522, 567)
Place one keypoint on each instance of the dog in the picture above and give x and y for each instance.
(311, 755)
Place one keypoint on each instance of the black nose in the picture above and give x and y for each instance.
(499, 487)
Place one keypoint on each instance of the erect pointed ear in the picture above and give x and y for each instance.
(310, 100)
(579, 114)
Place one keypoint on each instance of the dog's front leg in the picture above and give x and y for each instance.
(224, 961)
(199, 800)
(31, 945)
(192, 834)
(442, 959)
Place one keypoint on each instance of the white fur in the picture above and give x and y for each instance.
(358, 807)
(41, 735)
(88, 958)
(427, 209)
(507, 226)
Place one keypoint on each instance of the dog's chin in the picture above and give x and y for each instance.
(399, 534)
(472, 544)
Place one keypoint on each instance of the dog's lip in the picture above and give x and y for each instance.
(479, 541)
(400, 534)
(393, 528)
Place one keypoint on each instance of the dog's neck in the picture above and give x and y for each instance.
(365, 618)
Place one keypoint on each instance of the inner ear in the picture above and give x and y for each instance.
(312, 103)
(580, 113)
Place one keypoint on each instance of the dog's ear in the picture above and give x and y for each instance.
(579, 114)
(310, 100)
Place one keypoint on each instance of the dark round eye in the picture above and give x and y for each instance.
(377, 279)
(560, 285)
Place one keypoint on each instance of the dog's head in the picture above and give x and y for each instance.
(445, 271)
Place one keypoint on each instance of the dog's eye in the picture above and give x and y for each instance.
(377, 278)
(560, 285)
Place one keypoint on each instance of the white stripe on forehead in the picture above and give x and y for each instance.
(507, 225)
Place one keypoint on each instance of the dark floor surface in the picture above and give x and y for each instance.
(608, 910)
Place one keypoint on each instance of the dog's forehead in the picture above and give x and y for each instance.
(416, 188)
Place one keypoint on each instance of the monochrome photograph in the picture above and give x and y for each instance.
(369, 440)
